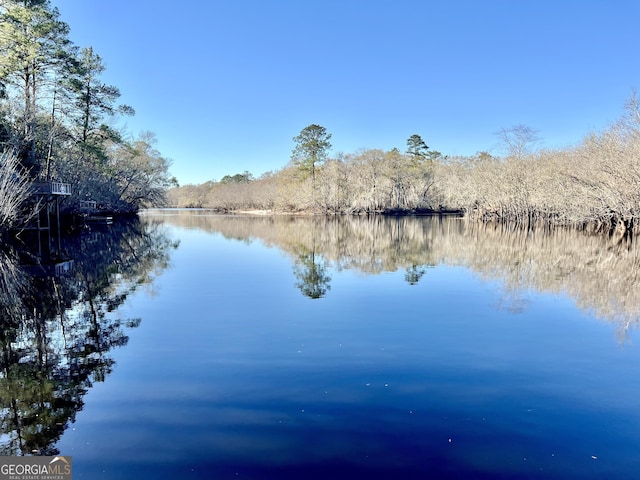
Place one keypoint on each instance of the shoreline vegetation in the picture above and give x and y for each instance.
(593, 187)
(59, 123)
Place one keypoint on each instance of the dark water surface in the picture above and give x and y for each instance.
(198, 346)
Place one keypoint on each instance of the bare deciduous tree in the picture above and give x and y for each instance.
(518, 141)
(14, 189)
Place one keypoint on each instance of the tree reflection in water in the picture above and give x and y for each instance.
(311, 272)
(414, 273)
(57, 332)
(600, 276)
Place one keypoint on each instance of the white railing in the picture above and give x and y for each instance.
(59, 188)
(53, 188)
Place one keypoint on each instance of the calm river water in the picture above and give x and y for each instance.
(194, 346)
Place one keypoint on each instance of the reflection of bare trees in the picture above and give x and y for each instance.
(371, 244)
(602, 277)
(12, 284)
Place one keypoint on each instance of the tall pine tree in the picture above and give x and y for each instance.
(34, 47)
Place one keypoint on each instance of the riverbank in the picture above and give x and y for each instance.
(267, 212)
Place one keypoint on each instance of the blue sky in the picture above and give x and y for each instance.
(226, 85)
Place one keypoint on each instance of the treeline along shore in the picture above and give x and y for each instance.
(594, 186)
(59, 126)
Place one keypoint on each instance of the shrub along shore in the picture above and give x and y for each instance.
(594, 186)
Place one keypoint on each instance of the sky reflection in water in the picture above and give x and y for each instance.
(234, 373)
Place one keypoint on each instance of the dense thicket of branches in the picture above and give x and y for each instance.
(369, 181)
(595, 185)
(14, 190)
(57, 117)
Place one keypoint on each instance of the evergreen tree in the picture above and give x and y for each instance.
(33, 49)
(312, 147)
(94, 101)
(416, 147)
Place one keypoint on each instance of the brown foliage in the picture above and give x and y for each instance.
(594, 186)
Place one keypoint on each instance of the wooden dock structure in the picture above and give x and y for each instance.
(48, 197)
(52, 188)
